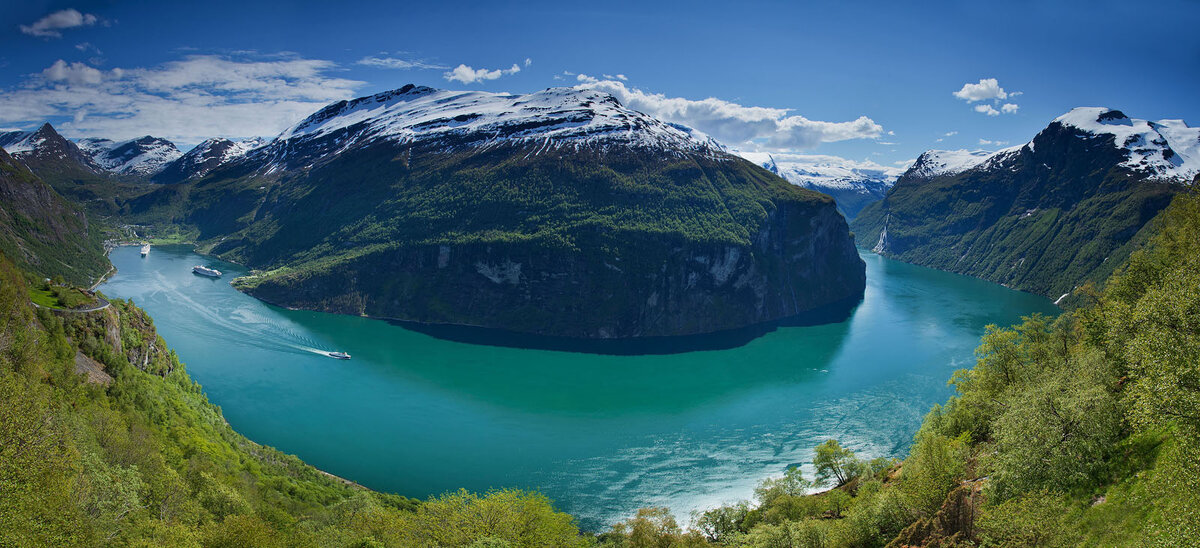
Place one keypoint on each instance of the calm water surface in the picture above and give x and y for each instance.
(602, 435)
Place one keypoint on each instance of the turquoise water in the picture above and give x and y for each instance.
(600, 434)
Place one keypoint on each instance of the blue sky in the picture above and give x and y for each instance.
(868, 81)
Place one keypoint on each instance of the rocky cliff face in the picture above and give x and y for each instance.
(801, 259)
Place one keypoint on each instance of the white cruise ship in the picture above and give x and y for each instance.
(206, 271)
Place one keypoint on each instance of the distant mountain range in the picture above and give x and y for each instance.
(1045, 216)
(142, 156)
(853, 184)
(427, 115)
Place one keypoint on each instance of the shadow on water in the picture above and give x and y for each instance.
(837, 312)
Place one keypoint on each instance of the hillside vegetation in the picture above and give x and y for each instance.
(1077, 431)
(138, 457)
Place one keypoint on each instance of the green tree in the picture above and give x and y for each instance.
(836, 463)
(652, 528)
(791, 484)
(934, 466)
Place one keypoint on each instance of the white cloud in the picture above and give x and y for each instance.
(586, 79)
(985, 142)
(950, 134)
(88, 46)
(987, 109)
(986, 89)
(528, 61)
(748, 128)
(468, 75)
(77, 73)
(396, 63)
(51, 26)
(185, 101)
(621, 77)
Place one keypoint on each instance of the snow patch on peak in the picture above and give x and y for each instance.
(550, 117)
(213, 153)
(820, 171)
(1167, 149)
(16, 142)
(142, 156)
(934, 163)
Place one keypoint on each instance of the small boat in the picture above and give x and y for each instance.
(145, 249)
(339, 355)
(206, 271)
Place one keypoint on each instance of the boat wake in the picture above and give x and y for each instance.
(251, 327)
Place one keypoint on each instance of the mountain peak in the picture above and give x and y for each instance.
(205, 157)
(1167, 149)
(552, 117)
(140, 156)
(43, 145)
(933, 163)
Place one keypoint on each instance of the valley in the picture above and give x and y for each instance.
(599, 276)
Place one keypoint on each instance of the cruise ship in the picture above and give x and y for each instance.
(145, 249)
(206, 271)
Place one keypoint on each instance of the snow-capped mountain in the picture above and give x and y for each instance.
(935, 163)
(45, 148)
(1043, 216)
(853, 184)
(552, 118)
(1165, 150)
(205, 157)
(141, 156)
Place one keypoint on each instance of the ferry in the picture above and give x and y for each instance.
(206, 271)
(145, 249)
(339, 355)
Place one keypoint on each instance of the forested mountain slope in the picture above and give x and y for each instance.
(1043, 217)
(43, 233)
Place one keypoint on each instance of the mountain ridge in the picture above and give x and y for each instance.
(1045, 216)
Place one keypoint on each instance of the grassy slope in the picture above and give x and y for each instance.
(148, 461)
(381, 197)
